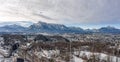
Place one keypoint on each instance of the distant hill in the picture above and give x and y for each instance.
(12, 28)
(109, 30)
(42, 27)
(53, 28)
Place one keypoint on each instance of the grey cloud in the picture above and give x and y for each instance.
(74, 11)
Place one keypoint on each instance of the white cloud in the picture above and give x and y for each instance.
(61, 11)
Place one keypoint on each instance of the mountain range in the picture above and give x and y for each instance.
(42, 27)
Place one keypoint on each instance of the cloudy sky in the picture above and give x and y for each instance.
(83, 13)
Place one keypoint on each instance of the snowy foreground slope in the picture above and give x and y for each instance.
(100, 56)
(49, 54)
(76, 59)
(46, 48)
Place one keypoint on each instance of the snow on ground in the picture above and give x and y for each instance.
(2, 59)
(101, 56)
(8, 60)
(3, 52)
(47, 53)
(76, 59)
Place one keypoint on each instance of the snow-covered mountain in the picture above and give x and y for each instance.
(12, 28)
(109, 29)
(53, 28)
(48, 26)
(42, 27)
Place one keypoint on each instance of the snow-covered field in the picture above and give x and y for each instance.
(100, 56)
(47, 54)
(76, 59)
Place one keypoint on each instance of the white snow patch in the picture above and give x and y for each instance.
(101, 56)
(76, 59)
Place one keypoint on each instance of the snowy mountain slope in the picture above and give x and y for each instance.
(12, 28)
(53, 28)
(42, 27)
